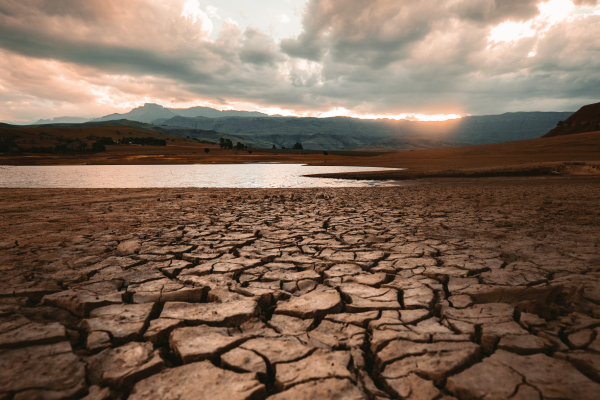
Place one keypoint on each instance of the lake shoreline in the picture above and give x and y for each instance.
(563, 155)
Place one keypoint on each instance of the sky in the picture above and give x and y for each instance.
(415, 59)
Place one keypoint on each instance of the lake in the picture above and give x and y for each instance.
(260, 175)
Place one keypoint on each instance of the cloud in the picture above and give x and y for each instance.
(374, 58)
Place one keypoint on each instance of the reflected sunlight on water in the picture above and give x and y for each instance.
(204, 175)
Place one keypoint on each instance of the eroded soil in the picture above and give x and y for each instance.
(484, 290)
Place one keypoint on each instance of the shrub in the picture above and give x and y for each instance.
(98, 146)
(206, 150)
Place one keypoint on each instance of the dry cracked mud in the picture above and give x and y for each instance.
(480, 291)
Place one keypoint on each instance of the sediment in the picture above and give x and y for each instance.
(458, 290)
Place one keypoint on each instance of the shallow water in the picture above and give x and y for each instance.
(200, 175)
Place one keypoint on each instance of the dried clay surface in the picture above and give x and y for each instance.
(482, 290)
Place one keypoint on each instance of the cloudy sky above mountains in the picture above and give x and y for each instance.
(392, 58)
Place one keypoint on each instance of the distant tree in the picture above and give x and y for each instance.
(239, 146)
(7, 145)
(60, 147)
(325, 153)
(228, 144)
(282, 147)
(222, 143)
(298, 146)
(274, 148)
(206, 150)
(249, 151)
(98, 146)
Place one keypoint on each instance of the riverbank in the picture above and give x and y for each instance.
(466, 288)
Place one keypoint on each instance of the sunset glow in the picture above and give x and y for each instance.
(396, 60)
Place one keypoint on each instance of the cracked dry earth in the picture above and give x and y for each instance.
(487, 291)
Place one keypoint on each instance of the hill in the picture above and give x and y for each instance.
(153, 112)
(578, 153)
(586, 119)
(62, 120)
(352, 133)
(147, 113)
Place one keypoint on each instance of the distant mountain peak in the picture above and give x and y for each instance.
(62, 120)
(152, 105)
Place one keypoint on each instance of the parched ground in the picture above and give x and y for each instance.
(479, 289)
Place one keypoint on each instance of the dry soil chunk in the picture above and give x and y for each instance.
(319, 365)
(588, 363)
(124, 322)
(199, 381)
(358, 319)
(555, 379)
(492, 313)
(287, 325)
(160, 329)
(361, 298)
(82, 301)
(326, 389)
(98, 393)
(413, 387)
(400, 349)
(129, 247)
(216, 314)
(97, 341)
(120, 368)
(278, 350)
(488, 379)
(49, 371)
(202, 342)
(491, 333)
(461, 301)
(17, 331)
(523, 344)
(580, 339)
(318, 303)
(435, 366)
(243, 360)
(163, 290)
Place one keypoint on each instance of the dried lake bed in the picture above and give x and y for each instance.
(458, 290)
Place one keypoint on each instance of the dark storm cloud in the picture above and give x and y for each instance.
(372, 57)
(495, 11)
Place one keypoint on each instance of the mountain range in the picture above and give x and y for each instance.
(151, 112)
(382, 134)
(336, 133)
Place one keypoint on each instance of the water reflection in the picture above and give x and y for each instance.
(204, 175)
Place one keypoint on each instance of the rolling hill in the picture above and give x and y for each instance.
(586, 119)
(151, 112)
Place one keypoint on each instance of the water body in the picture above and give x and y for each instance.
(201, 175)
